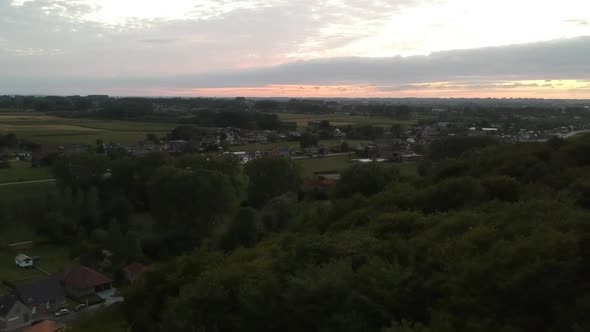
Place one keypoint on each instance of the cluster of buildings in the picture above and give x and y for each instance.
(32, 304)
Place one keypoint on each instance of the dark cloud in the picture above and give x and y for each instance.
(552, 60)
(560, 59)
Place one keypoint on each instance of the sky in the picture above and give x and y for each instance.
(297, 48)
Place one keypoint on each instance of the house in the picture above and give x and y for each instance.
(41, 295)
(22, 260)
(82, 281)
(14, 315)
(47, 326)
(133, 271)
(318, 187)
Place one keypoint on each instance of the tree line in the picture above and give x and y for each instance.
(497, 239)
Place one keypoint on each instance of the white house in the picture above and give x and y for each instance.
(23, 260)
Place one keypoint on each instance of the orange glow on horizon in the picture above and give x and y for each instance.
(557, 89)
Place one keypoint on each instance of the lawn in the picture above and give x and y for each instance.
(22, 171)
(339, 163)
(50, 129)
(17, 191)
(54, 258)
(335, 164)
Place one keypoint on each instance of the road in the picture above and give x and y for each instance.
(26, 182)
(574, 133)
(327, 155)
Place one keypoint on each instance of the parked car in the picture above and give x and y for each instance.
(61, 312)
(80, 307)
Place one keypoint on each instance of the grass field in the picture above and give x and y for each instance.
(50, 129)
(325, 164)
(339, 163)
(22, 171)
(302, 120)
(54, 258)
(17, 191)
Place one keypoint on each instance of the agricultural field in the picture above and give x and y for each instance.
(42, 128)
(22, 171)
(302, 120)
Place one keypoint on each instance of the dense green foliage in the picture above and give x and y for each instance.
(498, 240)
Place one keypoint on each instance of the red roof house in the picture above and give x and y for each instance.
(47, 326)
(317, 187)
(133, 271)
(82, 281)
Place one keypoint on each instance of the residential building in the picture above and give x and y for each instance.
(47, 326)
(22, 260)
(133, 271)
(83, 281)
(14, 315)
(41, 295)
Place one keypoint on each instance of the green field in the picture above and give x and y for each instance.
(302, 120)
(337, 164)
(42, 128)
(22, 171)
(54, 258)
(325, 164)
(18, 191)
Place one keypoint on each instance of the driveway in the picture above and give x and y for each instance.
(110, 296)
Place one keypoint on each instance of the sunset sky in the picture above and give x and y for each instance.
(296, 48)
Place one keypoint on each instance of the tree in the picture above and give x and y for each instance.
(365, 179)
(278, 212)
(242, 231)
(80, 171)
(502, 187)
(151, 137)
(397, 130)
(454, 146)
(270, 177)
(308, 140)
(187, 202)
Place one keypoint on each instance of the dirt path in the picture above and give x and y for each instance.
(26, 182)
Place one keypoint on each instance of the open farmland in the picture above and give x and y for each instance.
(42, 128)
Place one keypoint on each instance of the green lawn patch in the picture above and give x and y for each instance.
(19, 191)
(336, 164)
(22, 171)
(53, 259)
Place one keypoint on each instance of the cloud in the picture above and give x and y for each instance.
(79, 46)
(477, 69)
(560, 59)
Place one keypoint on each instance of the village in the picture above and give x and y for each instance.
(319, 139)
(48, 301)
